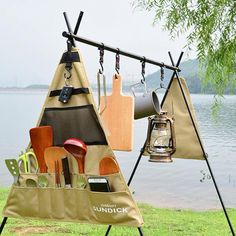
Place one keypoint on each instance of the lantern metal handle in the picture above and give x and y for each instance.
(150, 127)
(172, 130)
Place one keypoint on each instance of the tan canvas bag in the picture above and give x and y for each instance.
(78, 119)
(187, 142)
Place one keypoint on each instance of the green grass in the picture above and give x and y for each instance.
(158, 222)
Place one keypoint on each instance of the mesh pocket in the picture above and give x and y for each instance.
(74, 122)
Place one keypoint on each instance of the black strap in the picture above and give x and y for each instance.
(75, 91)
(69, 57)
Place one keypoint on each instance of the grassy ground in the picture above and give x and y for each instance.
(163, 222)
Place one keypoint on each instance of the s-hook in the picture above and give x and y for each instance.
(117, 65)
(67, 74)
(162, 77)
(143, 70)
(101, 60)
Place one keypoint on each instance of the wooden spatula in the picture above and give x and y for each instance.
(52, 154)
(108, 165)
(41, 138)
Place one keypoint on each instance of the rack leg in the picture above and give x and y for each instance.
(3, 224)
(108, 230)
(139, 230)
(204, 153)
(219, 196)
(207, 162)
(129, 182)
(205, 156)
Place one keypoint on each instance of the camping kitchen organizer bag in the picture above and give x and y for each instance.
(76, 119)
(187, 143)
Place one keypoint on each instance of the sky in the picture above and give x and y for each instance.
(32, 43)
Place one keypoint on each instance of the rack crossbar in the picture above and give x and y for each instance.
(117, 50)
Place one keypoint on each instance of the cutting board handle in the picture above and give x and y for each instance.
(116, 84)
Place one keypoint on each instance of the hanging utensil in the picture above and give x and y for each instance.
(78, 149)
(12, 166)
(52, 154)
(145, 104)
(101, 77)
(118, 117)
(108, 165)
(41, 137)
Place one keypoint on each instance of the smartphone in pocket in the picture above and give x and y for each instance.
(99, 184)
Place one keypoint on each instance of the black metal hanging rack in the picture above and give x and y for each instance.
(71, 36)
(175, 68)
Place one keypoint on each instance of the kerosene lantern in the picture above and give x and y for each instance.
(160, 143)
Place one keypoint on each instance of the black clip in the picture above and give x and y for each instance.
(69, 45)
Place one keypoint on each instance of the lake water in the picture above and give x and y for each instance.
(181, 184)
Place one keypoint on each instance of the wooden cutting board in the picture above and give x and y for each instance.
(118, 117)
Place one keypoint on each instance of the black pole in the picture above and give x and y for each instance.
(3, 224)
(78, 22)
(69, 29)
(129, 182)
(121, 52)
(136, 165)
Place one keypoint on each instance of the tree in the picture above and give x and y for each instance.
(210, 26)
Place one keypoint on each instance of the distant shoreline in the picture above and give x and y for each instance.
(44, 88)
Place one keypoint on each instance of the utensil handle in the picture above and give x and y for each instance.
(80, 161)
(66, 171)
(116, 84)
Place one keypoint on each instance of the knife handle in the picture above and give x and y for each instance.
(66, 171)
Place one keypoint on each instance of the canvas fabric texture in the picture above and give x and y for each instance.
(187, 142)
(73, 204)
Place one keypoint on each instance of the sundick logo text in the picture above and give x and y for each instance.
(110, 209)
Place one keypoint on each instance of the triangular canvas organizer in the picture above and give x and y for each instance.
(79, 119)
(174, 102)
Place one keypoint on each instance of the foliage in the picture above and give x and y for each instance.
(210, 27)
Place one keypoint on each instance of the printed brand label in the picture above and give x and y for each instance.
(110, 209)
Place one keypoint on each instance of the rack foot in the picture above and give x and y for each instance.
(4, 221)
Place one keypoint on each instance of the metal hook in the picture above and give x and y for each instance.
(143, 70)
(117, 66)
(162, 76)
(101, 59)
(67, 74)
